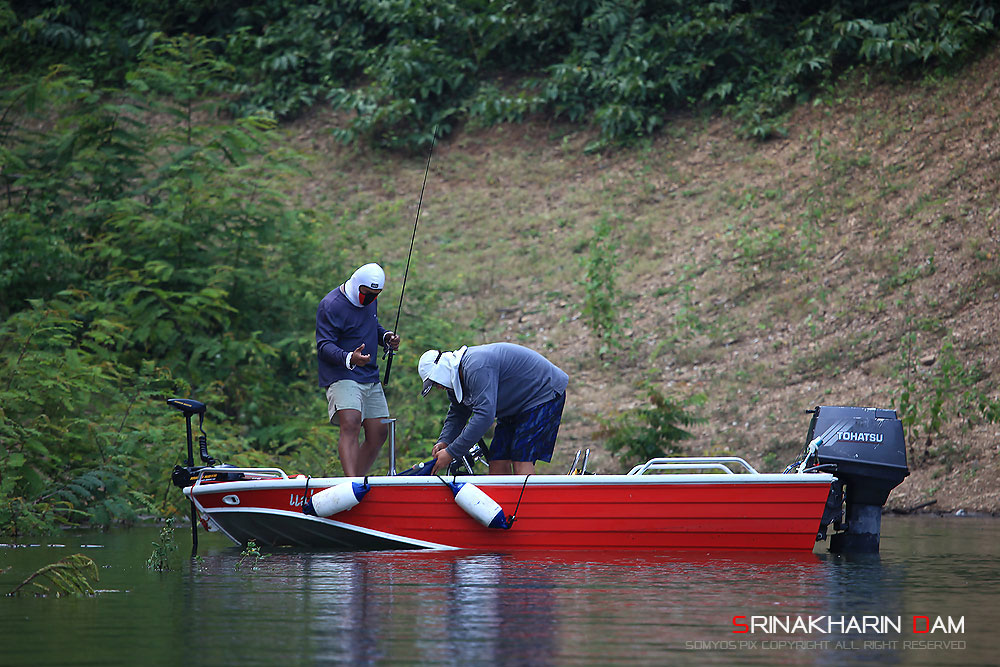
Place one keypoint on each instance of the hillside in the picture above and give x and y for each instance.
(850, 261)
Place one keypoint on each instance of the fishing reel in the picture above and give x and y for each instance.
(465, 465)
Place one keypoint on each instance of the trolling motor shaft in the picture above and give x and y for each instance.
(182, 475)
(190, 407)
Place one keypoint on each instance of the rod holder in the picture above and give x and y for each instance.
(392, 444)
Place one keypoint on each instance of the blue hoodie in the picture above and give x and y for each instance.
(340, 328)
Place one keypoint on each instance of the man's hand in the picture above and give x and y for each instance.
(444, 460)
(438, 446)
(359, 359)
(392, 340)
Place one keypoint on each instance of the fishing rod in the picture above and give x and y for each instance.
(389, 351)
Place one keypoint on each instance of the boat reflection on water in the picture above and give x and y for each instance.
(537, 608)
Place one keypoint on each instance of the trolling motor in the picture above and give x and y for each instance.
(865, 450)
(186, 475)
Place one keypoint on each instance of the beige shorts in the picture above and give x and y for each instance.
(368, 399)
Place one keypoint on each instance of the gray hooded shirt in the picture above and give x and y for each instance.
(498, 380)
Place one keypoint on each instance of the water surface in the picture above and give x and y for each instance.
(300, 607)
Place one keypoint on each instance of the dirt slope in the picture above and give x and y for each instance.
(850, 261)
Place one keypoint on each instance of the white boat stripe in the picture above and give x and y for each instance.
(346, 526)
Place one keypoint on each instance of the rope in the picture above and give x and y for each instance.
(513, 517)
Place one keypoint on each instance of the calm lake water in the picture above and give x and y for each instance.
(299, 607)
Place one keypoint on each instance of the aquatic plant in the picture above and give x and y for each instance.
(602, 300)
(67, 576)
(159, 559)
(250, 552)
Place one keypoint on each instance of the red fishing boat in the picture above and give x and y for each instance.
(855, 456)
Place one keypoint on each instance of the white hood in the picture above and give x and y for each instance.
(369, 275)
(442, 368)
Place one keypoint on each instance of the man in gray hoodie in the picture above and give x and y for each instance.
(519, 388)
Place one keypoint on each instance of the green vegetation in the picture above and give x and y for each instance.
(601, 304)
(930, 397)
(638, 435)
(251, 553)
(160, 235)
(159, 560)
(403, 67)
(134, 254)
(67, 576)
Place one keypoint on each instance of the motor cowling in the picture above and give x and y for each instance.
(866, 445)
(184, 476)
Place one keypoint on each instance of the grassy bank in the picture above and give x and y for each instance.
(853, 262)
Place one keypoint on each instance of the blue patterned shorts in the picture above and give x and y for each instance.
(529, 436)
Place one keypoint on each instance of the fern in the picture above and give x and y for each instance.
(67, 576)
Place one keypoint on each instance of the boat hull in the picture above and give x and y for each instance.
(677, 511)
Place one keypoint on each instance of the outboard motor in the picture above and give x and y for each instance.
(865, 450)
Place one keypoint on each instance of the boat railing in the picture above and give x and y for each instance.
(226, 470)
(689, 463)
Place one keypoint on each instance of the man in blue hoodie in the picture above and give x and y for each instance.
(348, 334)
(516, 386)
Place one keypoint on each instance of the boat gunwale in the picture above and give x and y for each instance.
(670, 479)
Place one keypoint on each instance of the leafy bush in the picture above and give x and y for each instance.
(168, 251)
(70, 434)
(291, 57)
(403, 67)
(650, 432)
(168, 230)
(929, 397)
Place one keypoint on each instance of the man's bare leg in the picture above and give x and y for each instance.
(375, 435)
(524, 467)
(347, 446)
(507, 467)
(500, 467)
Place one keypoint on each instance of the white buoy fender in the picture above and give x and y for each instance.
(480, 506)
(335, 499)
